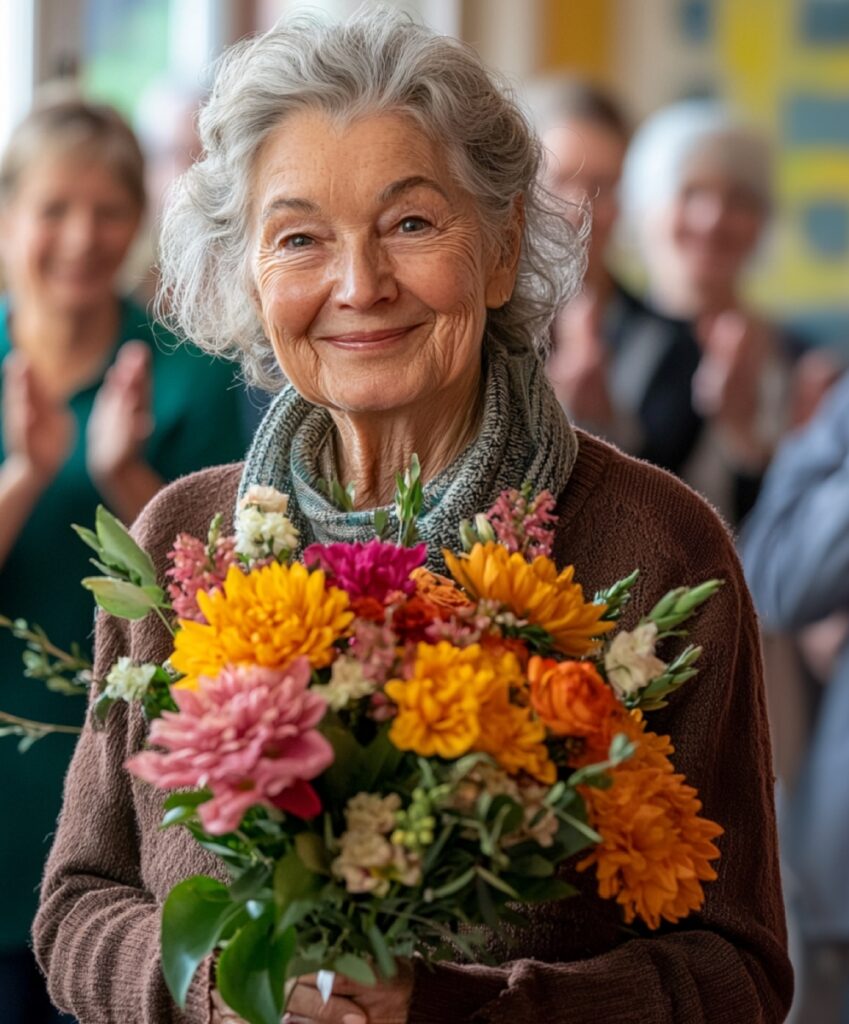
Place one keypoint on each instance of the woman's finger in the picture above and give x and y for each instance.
(306, 1001)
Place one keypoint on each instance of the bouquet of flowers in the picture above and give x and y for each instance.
(389, 761)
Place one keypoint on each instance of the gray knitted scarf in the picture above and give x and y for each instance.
(524, 436)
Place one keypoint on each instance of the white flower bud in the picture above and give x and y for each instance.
(630, 661)
(128, 681)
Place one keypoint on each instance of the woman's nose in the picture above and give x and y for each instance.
(79, 233)
(365, 275)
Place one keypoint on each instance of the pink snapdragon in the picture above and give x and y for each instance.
(375, 646)
(524, 524)
(249, 736)
(376, 569)
(195, 567)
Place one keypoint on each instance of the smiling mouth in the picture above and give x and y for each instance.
(370, 339)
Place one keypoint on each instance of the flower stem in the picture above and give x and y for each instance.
(31, 726)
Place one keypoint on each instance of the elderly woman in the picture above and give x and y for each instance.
(697, 191)
(620, 368)
(367, 217)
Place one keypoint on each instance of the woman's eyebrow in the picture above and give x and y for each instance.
(288, 203)
(397, 188)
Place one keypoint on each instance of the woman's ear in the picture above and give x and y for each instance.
(502, 278)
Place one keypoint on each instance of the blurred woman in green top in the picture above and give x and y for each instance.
(95, 408)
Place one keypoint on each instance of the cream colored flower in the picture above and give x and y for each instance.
(368, 861)
(630, 661)
(266, 499)
(367, 812)
(127, 680)
(347, 684)
(261, 534)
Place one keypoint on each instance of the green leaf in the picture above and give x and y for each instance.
(119, 549)
(385, 960)
(102, 706)
(120, 598)
(496, 882)
(293, 880)
(251, 974)
(186, 798)
(454, 886)
(312, 852)
(193, 918)
(380, 760)
(87, 537)
(532, 866)
(355, 968)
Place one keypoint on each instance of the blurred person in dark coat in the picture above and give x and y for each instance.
(620, 367)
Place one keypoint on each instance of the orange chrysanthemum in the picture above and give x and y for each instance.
(267, 617)
(655, 849)
(515, 740)
(534, 591)
(439, 590)
(440, 705)
(572, 699)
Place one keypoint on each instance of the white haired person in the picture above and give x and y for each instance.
(698, 194)
(367, 218)
(620, 368)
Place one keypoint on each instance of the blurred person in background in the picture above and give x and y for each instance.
(95, 408)
(697, 191)
(796, 557)
(620, 368)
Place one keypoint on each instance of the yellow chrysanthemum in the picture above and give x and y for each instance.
(515, 740)
(534, 591)
(440, 705)
(656, 849)
(266, 617)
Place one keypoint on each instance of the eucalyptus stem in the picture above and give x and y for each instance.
(42, 727)
(42, 642)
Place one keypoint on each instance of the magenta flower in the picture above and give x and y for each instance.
(193, 569)
(374, 570)
(524, 524)
(249, 736)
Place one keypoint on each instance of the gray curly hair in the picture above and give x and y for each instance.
(377, 61)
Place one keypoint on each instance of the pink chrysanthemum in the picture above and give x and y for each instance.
(373, 570)
(249, 736)
(193, 569)
(524, 524)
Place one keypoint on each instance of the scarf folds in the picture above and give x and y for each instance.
(524, 437)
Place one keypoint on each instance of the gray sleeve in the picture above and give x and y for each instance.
(796, 543)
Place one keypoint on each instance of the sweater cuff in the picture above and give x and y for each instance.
(446, 991)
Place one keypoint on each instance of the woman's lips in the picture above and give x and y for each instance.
(370, 339)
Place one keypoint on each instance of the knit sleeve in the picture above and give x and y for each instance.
(96, 933)
(97, 930)
(727, 964)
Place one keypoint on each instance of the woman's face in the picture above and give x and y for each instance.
(584, 161)
(707, 232)
(65, 233)
(371, 274)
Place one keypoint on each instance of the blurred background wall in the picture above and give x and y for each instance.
(785, 63)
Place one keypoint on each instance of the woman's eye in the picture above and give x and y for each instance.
(410, 225)
(295, 242)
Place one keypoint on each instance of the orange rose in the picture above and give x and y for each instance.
(439, 590)
(573, 700)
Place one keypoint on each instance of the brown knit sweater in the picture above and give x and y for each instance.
(97, 930)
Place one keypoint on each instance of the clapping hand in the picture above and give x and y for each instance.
(120, 419)
(38, 430)
(578, 364)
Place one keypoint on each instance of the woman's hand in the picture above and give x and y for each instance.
(578, 366)
(388, 1002)
(38, 431)
(119, 423)
(120, 419)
